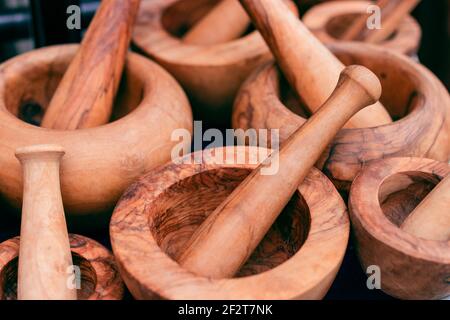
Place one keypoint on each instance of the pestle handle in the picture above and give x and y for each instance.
(225, 22)
(223, 243)
(310, 68)
(85, 95)
(392, 14)
(431, 218)
(44, 254)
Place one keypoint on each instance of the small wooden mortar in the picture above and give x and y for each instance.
(100, 279)
(298, 258)
(411, 93)
(100, 162)
(329, 20)
(210, 74)
(382, 196)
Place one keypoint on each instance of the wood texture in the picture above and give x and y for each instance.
(210, 74)
(416, 99)
(45, 250)
(100, 279)
(310, 68)
(158, 214)
(101, 162)
(392, 13)
(431, 218)
(225, 22)
(411, 267)
(85, 95)
(329, 20)
(230, 234)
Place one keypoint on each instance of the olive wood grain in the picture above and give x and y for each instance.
(85, 95)
(329, 20)
(431, 218)
(392, 13)
(310, 68)
(382, 196)
(229, 235)
(100, 278)
(158, 214)
(45, 251)
(225, 22)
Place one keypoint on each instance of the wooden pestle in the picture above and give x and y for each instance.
(431, 218)
(222, 244)
(225, 22)
(310, 68)
(85, 95)
(392, 14)
(44, 256)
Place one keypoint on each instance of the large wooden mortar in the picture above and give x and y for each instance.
(210, 74)
(100, 162)
(298, 258)
(100, 279)
(329, 20)
(414, 97)
(381, 198)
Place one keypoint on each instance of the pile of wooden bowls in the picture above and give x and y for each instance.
(124, 174)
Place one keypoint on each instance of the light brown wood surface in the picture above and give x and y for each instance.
(382, 196)
(85, 95)
(100, 279)
(329, 20)
(431, 218)
(225, 22)
(310, 68)
(230, 234)
(210, 74)
(100, 163)
(158, 214)
(392, 13)
(416, 99)
(45, 251)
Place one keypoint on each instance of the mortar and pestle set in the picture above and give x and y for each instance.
(225, 231)
(335, 21)
(81, 89)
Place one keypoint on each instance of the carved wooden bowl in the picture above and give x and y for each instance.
(412, 94)
(298, 258)
(100, 279)
(329, 20)
(382, 196)
(100, 162)
(210, 74)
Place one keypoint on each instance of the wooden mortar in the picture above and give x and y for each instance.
(100, 279)
(382, 196)
(328, 21)
(411, 93)
(210, 74)
(158, 214)
(100, 162)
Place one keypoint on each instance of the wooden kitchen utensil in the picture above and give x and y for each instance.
(329, 20)
(229, 235)
(159, 213)
(392, 13)
(227, 21)
(307, 64)
(101, 162)
(99, 278)
(431, 218)
(416, 99)
(210, 74)
(45, 251)
(382, 196)
(85, 95)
